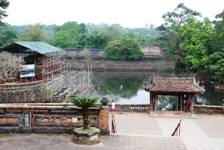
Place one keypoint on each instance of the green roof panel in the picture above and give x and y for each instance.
(40, 47)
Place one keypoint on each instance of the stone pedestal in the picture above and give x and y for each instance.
(104, 123)
(86, 135)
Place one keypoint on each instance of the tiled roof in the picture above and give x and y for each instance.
(175, 85)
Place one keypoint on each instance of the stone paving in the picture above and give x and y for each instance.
(135, 131)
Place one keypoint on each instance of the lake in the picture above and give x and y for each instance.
(127, 88)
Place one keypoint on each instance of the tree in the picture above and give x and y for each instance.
(170, 38)
(85, 103)
(86, 54)
(179, 16)
(9, 66)
(66, 36)
(218, 39)
(101, 38)
(196, 36)
(124, 50)
(216, 66)
(61, 39)
(7, 36)
(35, 32)
(3, 5)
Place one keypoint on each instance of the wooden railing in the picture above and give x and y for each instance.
(176, 132)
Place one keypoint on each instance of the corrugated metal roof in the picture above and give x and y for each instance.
(40, 47)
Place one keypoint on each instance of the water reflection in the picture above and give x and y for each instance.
(120, 89)
(210, 97)
(165, 102)
(126, 88)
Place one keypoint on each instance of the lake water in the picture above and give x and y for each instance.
(127, 88)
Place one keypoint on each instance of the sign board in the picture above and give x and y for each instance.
(27, 71)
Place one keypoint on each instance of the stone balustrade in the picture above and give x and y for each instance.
(131, 107)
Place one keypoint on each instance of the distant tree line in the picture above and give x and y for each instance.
(74, 35)
(195, 45)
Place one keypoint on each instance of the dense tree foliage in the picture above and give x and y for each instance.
(171, 39)
(3, 5)
(66, 35)
(35, 32)
(195, 46)
(125, 49)
(215, 65)
(7, 36)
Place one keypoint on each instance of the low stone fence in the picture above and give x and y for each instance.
(208, 109)
(50, 117)
(131, 107)
(30, 92)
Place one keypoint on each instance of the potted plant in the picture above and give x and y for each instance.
(85, 133)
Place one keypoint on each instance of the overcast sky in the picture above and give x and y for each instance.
(127, 13)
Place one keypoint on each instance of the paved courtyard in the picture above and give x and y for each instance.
(135, 131)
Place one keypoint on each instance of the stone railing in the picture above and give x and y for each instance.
(50, 117)
(131, 107)
(208, 109)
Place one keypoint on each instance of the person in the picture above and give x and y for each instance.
(174, 106)
(113, 106)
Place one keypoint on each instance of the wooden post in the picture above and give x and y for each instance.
(192, 104)
(155, 102)
(179, 102)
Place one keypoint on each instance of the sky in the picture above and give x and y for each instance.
(127, 13)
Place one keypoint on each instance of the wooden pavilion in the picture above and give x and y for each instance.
(184, 88)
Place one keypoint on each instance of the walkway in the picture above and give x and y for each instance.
(135, 131)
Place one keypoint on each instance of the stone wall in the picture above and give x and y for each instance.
(125, 66)
(22, 93)
(54, 118)
(206, 109)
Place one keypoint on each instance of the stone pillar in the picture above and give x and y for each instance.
(104, 120)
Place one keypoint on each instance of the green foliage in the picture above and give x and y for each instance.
(7, 36)
(61, 39)
(85, 102)
(179, 16)
(3, 5)
(185, 39)
(101, 38)
(196, 35)
(216, 66)
(66, 36)
(46, 92)
(35, 32)
(124, 50)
